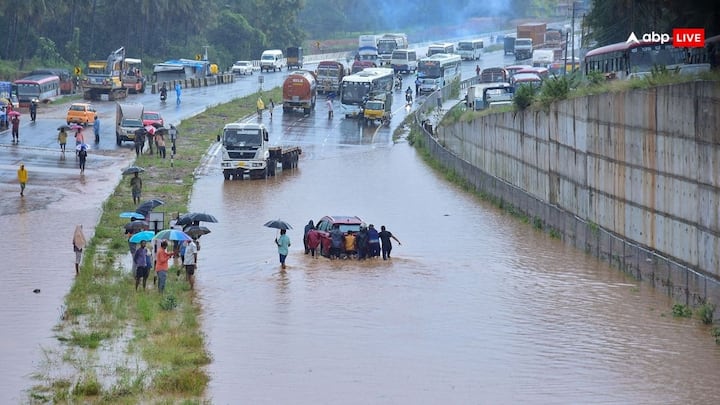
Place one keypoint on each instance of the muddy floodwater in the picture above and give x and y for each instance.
(38, 254)
(474, 307)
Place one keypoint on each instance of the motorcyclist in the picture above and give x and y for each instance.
(163, 92)
(33, 109)
(408, 95)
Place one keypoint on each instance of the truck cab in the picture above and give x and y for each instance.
(128, 119)
(244, 150)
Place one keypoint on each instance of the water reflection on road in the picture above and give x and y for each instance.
(474, 306)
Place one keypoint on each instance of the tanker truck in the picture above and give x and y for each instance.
(300, 91)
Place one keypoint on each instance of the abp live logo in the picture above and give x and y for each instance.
(681, 37)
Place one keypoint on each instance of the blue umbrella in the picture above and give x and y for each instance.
(172, 234)
(142, 236)
(132, 215)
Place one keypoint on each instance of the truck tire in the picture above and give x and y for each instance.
(272, 166)
(118, 140)
(226, 174)
(306, 110)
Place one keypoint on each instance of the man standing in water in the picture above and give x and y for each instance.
(385, 237)
(283, 243)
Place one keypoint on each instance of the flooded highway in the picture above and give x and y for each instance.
(475, 306)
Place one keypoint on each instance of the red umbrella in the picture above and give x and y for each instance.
(150, 129)
(13, 113)
(76, 126)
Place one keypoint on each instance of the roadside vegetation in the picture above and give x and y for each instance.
(123, 346)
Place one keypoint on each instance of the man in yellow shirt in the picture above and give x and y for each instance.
(22, 178)
(260, 106)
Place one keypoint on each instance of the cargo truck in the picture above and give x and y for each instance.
(128, 119)
(246, 150)
(534, 31)
(300, 91)
(294, 56)
(329, 75)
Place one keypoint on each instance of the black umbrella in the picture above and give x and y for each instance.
(133, 169)
(136, 226)
(195, 231)
(148, 206)
(65, 127)
(157, 125)
(278, 224)
(190, 218)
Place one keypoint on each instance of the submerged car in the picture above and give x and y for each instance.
(81, 113)
(242, 67)
(326, 224)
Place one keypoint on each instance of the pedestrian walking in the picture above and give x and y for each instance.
(22, 176)
(260, 106)
(190, 262)
(150, 139)
(96, 128)
(417, 86)
(283, 243)
(178, 93)
(385, 237)
(15, 121)
(141, 267)
(329, 104)
(78, 246)
(136, 188)
(82, 157)
(139, 141)
(272, 107)
(477, 70)
(33, 109)
(161, 265)
(79, 140)
(62, 139)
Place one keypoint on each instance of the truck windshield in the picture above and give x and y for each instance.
(131, 122)
(242, 137)
(523, 42)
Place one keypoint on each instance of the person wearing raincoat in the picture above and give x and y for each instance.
(78, 246)
(22, 175)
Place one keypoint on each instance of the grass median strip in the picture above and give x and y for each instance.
(123, 346)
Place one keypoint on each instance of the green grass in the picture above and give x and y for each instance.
(103, 308)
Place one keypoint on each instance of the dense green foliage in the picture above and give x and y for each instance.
(612, 21)
(71, 32)
(68, 33)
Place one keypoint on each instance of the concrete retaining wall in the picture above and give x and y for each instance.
(633, 177)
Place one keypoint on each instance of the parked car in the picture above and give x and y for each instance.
(152, 118)
(81, 113)
(242, 67)
(326, 223)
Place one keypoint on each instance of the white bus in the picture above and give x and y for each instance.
(438, 71)
(362, 86)
(470, 50)
(440, 48)
(404, 60)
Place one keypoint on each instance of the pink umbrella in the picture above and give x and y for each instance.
(150, 129)
(13, 113)
(76, 127)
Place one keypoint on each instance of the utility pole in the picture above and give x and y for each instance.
(572, 35)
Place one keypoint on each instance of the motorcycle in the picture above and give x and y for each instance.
(163, 95)
(398, 84)
(408, 98)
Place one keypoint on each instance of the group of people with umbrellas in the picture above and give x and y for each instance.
(184, 233)
(150, 135)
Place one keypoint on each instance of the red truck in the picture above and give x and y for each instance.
(300, 91)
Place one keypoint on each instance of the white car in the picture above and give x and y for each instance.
(242, 67)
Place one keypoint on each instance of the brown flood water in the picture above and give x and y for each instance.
(474, 307)
(39, 255)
